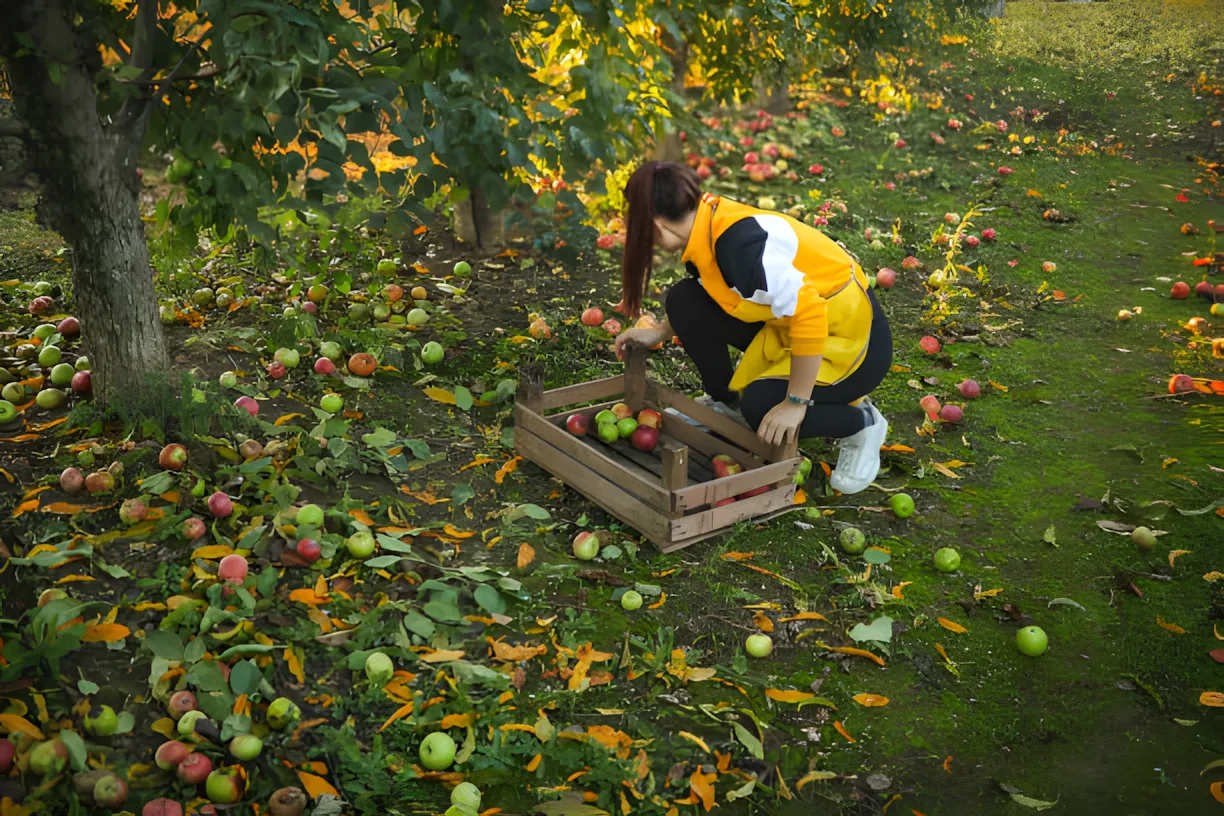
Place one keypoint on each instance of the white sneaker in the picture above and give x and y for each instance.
(858, 463)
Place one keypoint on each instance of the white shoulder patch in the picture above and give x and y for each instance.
(778, 260)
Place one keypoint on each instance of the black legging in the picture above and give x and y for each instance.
(706, 331)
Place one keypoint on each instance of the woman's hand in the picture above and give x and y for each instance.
(647, 337)
(782, 423)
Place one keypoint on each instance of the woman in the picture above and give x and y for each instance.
(814, 337)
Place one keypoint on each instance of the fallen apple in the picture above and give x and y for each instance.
(61, 375)
(969, 389)
(585, 546)
(170, 754)
(48, 758)
(194, 769)
(224, 786)
(132, 511)
(437, 751)
(101, 723)
(187, 723)
(192, 528)
(282, 712)
(82, 363)
(432, 353)
(360, 544)
(592, 316)
(466, 796)
(324, 366)
(49, 356)
(233, 569)
(946, 559)
(173, 457)
(162, 807)
(418, 317)
(228, 379)
(1143, 538)
(379, 669)
(886, 277)
(309, 515)
(631, 600)
(902, 505)
(8, 411)
(13, 392)
(51, 398)
(1032, 641)
(72, 480)
(952, 414)
(332, 403)
(246, 747)
(102, 481)
(853, 541)
(463, 269)
(758, 645)
(309, 549)
(7, 752)
(288, 802)
(929, 344)
(180, 703)
(110, 791)
(220, 505)
(287, 357)
(247, 404)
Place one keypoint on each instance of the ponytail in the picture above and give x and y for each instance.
(663, 189)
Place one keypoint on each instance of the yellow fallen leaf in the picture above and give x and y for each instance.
(284, 420)
(1212, 698)
(316, 786)
(841, 729)
(1172, 627)
(696, 740)
(994, 384)
(659, 603)
(534, 763)
(62, 508)
(952, 626)
(1167, 462)
(851, 650)
(68, 579)
(105, 633)
(1174, 554)
(896, 448)
(804, 616)
(442, 655)
(441, 395)
(212, 552)
(870, 700)
(166, 727)
(1213, 576)
(16, 723)
(945, 471)
(702, 786)
(526, 554)
(814, 776)
(788, 695)
(899, 590)
(986, 593)
(506, 469)
(294, 663)
(400, 713)
(762, 621)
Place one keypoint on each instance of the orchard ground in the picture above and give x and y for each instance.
(1075, 427)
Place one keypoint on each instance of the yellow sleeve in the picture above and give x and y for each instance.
(810, 324)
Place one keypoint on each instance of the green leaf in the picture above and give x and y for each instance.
(266, 582)
(382, 561)
(749, 741)
(380, 438)
(255, 465)
(245, 678)
(876, 556)
(217, 705)
(463, 398)
(163, 644)
(194, 650)
(532, 511)
(418, 448)
(158, 483)
(206, 676)
(443, 610)
(76, 748)
(1049, 536)
(127, 721)
(481, 675)
(86, 687)
(462, 494)
(418, 624)
(879, 630)
(386, 542)
(490, 600)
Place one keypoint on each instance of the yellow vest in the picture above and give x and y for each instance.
(839, 285)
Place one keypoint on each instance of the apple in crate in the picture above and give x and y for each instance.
(650, 418)
(577, 424)
(644, 438)
(724, 465)
(622, 411)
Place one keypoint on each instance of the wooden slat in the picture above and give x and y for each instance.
(700, 468)
(675, 466)
(724, 426)
(635, 482)
(558, 419)
(706, 494)
(717, 518)
(531, 386)
(591, 484)
(582, 392)
(711, 446)
(635, 376)
(688, 542)
(622, 449)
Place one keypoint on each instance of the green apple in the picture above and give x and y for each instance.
(224, 786)
(287, 357)
(853, 541)
(805, 467)
(61, 375)
(246, 747)
(48, 758)
(379, 669)
(8, 411)
(13, 392)
(82, 363)
(103, 722)
(1143, 538)
(605, 416)
(51, 398)
(228, 379)
(432, 353)
(437, 751)
(331, 350)
(183, 167)
(360, 544)
(43, 330)
(310, 515)
(381, 311)
(49, 356)
(418, 317)
(463, 269)
(585, 546)
(466, 796)
(626, 427)
(359, 312)
(607, 432)
(283, 712)
(902, 505)
(758, 645)
(332, 403)
(187, 723)
(947, 559)
(386, 266)
(1032, 641)
(631, 600)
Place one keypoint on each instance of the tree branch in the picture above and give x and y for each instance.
(134, 108)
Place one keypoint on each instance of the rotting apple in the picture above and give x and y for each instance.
(288, 802)
(102, 722)
(133, 511)
(110, 791)
(282, 712)
(48, 758)
(162, 807)
(585, 546)
(72, 480)
(180, 703)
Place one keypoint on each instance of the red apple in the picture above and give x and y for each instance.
(885, 278)
(233, 568)
(162, 807)
(612, 326)
(311, 307)
(1204, 289)
(592, 316)
(220, 505)
(192, 528)
(194, 769)
(969, 389)
(989, 234)
(929, 344)
(103, 481)
(170, 754)
(622, 411)
(951, 413)
(276, 369)
(110, 791)
(724, 465)
(754, 492)
(173, 457)
(1180, 290)
(324, 366)
(72, 480)
(180, 703)
(132, 511)
(309, 549)
(577, 424)
(82, 382)
(247, 404)
(7, 752)
(650, 418)
(644, 438)
(69, 327)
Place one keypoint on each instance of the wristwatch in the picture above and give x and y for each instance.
(799, 400)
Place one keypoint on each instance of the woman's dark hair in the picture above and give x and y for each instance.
(656, 188)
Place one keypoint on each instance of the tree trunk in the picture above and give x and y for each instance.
(475, 224)
(90, 197)
(993, 9)
(670, 148)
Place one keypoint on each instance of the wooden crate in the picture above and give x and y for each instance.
(668, 494)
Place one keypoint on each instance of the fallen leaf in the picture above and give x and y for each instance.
(316, 786)
(814, 776)
(15, 723)
(105, 633)
(870, 700)
(526, 554)
(788, 695)
(1212, 698)
(506, 469)
(763, 622)
(841, 729)
(952, 626)
(441, 395)
(1217, 791)
(212, 552)
(702, 786)
(1174, 554)
(696, 740)
(1172, 627)
(850, 650)
(804, 616)
(442, 655)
